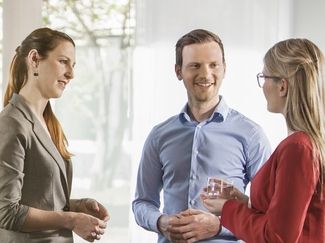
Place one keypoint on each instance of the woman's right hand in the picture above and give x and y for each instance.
(88, 227)
(215, 204)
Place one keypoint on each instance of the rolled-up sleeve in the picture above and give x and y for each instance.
(12, 154)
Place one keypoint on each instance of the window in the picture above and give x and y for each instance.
(95, 111)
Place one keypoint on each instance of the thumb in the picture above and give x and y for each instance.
(95, 206)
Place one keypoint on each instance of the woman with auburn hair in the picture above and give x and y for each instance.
(287, 194)
(35, 164)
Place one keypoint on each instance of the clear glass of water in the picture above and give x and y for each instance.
(219, 187)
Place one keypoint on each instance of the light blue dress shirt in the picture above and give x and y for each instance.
(180, 154)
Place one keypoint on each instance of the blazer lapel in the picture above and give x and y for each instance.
(48, 144)
(46, 141)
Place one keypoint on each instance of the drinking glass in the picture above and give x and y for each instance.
(219, 187)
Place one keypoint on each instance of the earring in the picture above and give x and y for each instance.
(35, 72)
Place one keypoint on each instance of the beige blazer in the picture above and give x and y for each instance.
(32, 174)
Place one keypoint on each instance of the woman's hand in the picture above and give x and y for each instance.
(88, 227)
(92, 207)
(214, 205)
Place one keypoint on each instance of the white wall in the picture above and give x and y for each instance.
(20, 17)
(309, 19)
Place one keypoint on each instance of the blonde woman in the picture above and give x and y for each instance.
(287, 195)
(35, 165)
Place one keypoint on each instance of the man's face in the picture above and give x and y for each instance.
(202, 72)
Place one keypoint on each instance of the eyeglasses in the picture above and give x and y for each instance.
(261, 78)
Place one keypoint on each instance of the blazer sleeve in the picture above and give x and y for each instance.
(12, 153)
(295, 184)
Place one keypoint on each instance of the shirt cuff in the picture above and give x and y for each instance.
(153, 221)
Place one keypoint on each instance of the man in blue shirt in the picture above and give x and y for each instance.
(206, 139)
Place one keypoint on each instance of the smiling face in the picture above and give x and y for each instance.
(202, 72)
(56, 70)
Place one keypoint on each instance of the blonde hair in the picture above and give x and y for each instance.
(43, 40)
(301, 62)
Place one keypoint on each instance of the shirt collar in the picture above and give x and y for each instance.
(219, 115)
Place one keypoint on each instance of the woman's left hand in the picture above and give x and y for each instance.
(214, 205)
(92, 207)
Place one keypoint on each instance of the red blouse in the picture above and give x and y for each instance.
(285, 198)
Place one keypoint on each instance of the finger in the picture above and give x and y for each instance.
(95, 235)
(100, 231)
(104, 215)
(190, 211)
(177, 224)
(106, 218)
(203, 196)
(188, 225)
(175, 230)
(193, 211)
(192, 240)
(209, 206)
(185, 220)
(209, 201)
(175, 237)
(189, 235)
(179, 241)
(90, 239)
(102, 224)
(95, 206)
